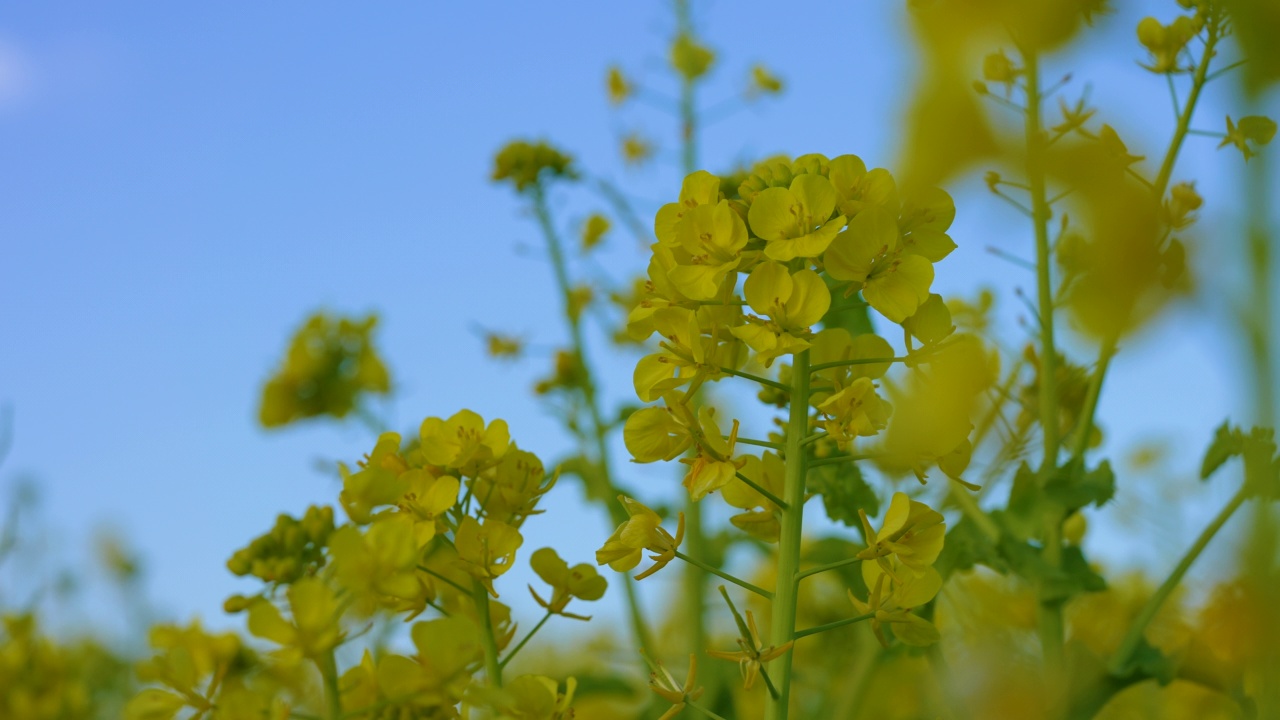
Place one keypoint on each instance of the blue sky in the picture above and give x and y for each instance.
(181, 184)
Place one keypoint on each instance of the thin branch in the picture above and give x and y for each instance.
(833, 625)
(829, 566)
(757, 378)
(834, 459)
(768, 495)
(759, 443)
(725, 576)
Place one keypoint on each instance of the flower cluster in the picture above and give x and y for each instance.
(745, 277)
(431, 526)
(330, 365)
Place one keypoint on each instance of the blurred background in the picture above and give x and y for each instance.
(181, 185)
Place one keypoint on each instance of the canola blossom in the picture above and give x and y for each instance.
(893, 490)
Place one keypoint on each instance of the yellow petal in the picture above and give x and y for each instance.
(810, 299)
(768, 288)
(899, 290)
(869, 235)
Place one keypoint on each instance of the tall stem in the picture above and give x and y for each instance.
(1050, 616)
(599, 430)
(492, 664)
(329, 673)
(782, 628)
(1135, 633)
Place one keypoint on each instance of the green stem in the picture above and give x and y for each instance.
(688, 101)
(759, 443)
(768, 495)
(480, 595)
(782, 629)
(525, 640)
(442, 578)
(832, 625)
(724, 575)
(1184, 120)
(599, 430)
(834, 459)
(829, 566)
(1050, 613)
(1094, 391)
(1134, 636)
(329, 672)
(858, 361)
(757, 378)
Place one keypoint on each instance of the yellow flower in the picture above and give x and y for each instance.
(643, 531)
(534, 697)
(996, 67)
(440, 672)
(711, 238)
(331, 363)
(761, 519)
(636, 149)
(315, 627)
(931, 322)
(379, 564)
(858, 188)
(699, 188)
(619, 86)
(891, 602)
(463, 441)
(510, 492)
(796, 221)
(425, 500)
(654, 433)
(713, 467)
(503, 346)
(186, 659)
(763, 82)
(486, 551)
(867, 253)
(378, 482)
(581, 581)
(523, 164)
(689, 58)
(854, 411)
(1166, 42)
(912, 534)
(792, 301)
(593, 231)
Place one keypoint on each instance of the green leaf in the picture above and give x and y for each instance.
(1148, 662)
(1227, 443)
(1258, 128)
(1023, 517)
(1095, 487)
(1060, 583)
(843, 491)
